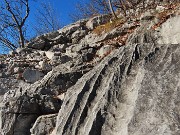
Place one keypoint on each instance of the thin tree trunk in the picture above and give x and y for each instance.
(21, 36)
(123, 7)
(111, 8)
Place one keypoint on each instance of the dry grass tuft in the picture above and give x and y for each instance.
(122, 38)
(105, 28)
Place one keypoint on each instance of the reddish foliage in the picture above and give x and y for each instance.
(166, 14)
(121, 40)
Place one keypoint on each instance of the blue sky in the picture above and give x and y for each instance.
(63, 8)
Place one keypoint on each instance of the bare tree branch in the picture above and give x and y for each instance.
(26, 3)
(11, 12)
(112, 10)
(12, 20)
(46, 19)
(89, 9)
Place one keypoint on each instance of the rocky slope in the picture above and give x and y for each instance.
(89, 79)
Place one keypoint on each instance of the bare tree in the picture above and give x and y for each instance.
(12, 22)
(95, 7)
(89, 9)
(111, 8)
(47, 19)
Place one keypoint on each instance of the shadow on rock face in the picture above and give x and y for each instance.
(23, 112)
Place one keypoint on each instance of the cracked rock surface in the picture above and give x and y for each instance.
(132, 92)
(76, 82)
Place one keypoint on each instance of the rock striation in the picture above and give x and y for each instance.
(134, 91)
(81, 80)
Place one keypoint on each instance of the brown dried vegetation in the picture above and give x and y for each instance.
(122, 38)
(166, 14)
(105, 28)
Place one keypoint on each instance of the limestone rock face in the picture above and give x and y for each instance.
(73, 81)
(132, 92)
(170, 31)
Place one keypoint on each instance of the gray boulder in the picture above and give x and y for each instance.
(70, 29)
(147, 16)
(65, 59)
(44, 125)
(23, 50)
(104, 50)
(45, 66)
(37, 45)
(49, 54)
(32, 76)
(97, 20)
(52, 35)
(78, 35)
